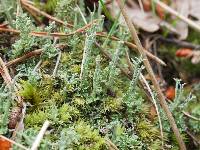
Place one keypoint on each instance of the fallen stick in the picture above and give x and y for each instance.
(152, 76)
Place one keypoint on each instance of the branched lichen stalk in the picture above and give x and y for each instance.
(89, 41)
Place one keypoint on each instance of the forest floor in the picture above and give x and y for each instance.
(95, 75)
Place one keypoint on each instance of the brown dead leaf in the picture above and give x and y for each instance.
(4, 144)
(170, 92)
(184, 52)
(189, 53)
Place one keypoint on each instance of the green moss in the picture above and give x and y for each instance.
(112, 104)
(147, 131)
(75, 69)
(36, 119)
(89, 138)
(67, 113)
(30, 93)
(78, 101)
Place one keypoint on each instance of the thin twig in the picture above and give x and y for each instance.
(37, 66)
(133, 47)
(180, 16)
(32, 13)
(190, 116)
(152, 76)
(28, 55)
(29, 6)
(24, 57)
(13, 142)
(40, 135)
(179, 42)
(81, 30)
(156, 106)
(55, 34)
(193, 137)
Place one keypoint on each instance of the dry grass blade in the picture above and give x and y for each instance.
(152, 76)
(180, 16)
(190, 116)
(40, 135)
(57, 63)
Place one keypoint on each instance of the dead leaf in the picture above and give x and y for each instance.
(147, 21)
(184, 52)
(170, 93)
(4, 144)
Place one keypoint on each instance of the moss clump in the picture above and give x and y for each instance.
(30, 93)
(36, 119)
(67, 113)
(112, 104)
(89, 138)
